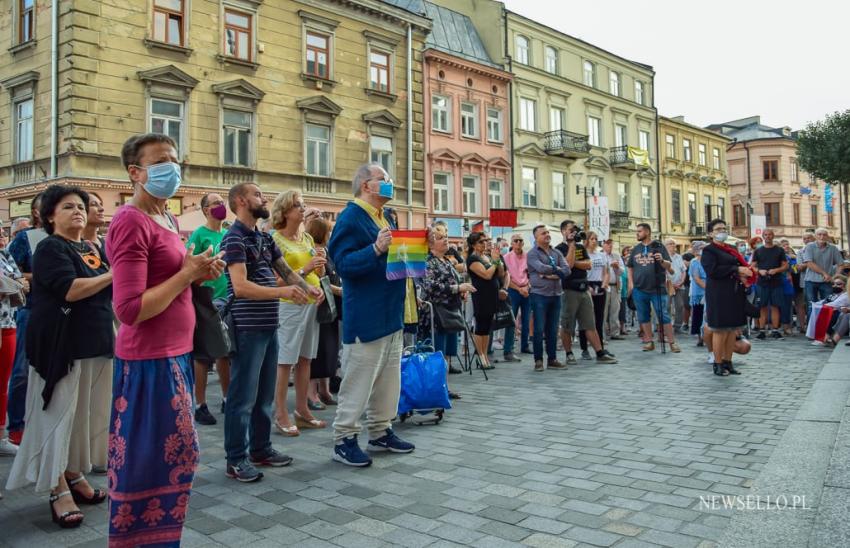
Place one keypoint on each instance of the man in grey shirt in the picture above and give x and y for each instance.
(546, 268)
(821, 258)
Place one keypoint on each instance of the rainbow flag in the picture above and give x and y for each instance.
(407, 254)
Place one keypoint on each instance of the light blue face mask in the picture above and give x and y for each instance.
(163, 180)
(386, 189)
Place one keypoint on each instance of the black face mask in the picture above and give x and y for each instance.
(836, 289)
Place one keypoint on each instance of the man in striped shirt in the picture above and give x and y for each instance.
(252, 262)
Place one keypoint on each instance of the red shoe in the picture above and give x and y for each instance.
(15, 436)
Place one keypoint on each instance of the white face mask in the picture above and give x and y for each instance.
(721, 236)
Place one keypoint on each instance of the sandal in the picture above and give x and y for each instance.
(327, 400)
(289, 431)
(315, 405)
(310, 424)
(98, 496)
(64, 520)
(454, 395)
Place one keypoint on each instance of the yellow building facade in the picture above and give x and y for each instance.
(286, 94)
(694, 182)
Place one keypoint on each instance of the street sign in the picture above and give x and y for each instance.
(598, 218)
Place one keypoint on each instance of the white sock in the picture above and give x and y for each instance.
(711, 357)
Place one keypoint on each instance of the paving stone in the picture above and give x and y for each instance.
(669, 539)
(542, 540)
(592, 536)
(543, 524)
(253, 522)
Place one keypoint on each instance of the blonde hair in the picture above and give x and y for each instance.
(281, 206)
(594, 234)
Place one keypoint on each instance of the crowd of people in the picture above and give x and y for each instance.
(104, 361)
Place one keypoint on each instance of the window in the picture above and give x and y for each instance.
(639, 92)
(593, 134)
(715, 158)
(379, 71)
(671, 146)
(771, 170)
(556, 118)
(168, 17)
(676, 201)
(381, 152)
(527, 114)
(614, 83)
(597, 185)
(559, 190)
(441, 113)
(495, 194)
(814, 215)
(620, 135)
(701, 152)
(692, 208)
(237, 137)
(318, 149)
(589, 74)
(623, 196)
(24, 130)
(771, 212)
(237, 35)
(469, 120)
(522, 50)
(26, 20)
(318, 54)
(646, 201)
(167, 118)
(686, 150)
(795, 210)
(470, 195)
(739, 217)
(721, 208)
(794, 173)
(551, 60)
(643, 140)
(529, 186)
(441, 192)
(494, 125)
(706, 207)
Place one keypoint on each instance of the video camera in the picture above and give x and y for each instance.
(579, 235)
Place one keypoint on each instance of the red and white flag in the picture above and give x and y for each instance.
(819, 321)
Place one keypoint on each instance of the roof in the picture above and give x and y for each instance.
(454, 33)
(751, 129)
(413, 6)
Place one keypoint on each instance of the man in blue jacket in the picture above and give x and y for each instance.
(372, 322)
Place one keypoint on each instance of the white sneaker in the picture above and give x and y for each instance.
(710, 357)
(817, 343)
(7, 448)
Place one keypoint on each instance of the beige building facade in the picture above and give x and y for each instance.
(286, 94)
(694, 184)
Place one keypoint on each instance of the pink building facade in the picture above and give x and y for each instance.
(467, 139)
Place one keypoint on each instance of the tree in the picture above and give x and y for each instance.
(823, 150)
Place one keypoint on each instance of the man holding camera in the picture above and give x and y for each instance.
(649, 264)
(576, 303)
(771, 263)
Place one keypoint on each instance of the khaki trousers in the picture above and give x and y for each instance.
(371, 379)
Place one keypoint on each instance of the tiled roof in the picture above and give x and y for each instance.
(454, 33)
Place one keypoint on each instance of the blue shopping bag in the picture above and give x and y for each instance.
(423, 382)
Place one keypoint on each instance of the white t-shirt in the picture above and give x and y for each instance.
(600, 262)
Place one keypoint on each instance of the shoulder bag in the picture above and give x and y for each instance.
(211, 340)
(326, 313)
(504, 317)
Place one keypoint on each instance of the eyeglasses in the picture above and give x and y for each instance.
(518, 241)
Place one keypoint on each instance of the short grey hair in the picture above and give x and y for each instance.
(363, 173)
(822, 230)
(16, 224)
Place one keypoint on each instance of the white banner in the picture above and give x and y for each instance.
(759, 223)
(598, 219)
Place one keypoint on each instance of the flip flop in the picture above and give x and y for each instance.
(289, 431)
(310, 424)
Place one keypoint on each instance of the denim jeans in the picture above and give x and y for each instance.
(521, 304)
(816, 291)
(250, 397)
(643, 302)
(20, 370)
(546, 311)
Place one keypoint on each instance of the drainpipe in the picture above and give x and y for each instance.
(409, 126)
(514, 201)
(54, 84)
(657, 163)
(749, 194)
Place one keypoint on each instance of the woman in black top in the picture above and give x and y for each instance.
(326, 362)
(726, 272)
(69, 344)
(486, 273)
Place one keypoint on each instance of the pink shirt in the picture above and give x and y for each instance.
(143, 255)
(518, 268)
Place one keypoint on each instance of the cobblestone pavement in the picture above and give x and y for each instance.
(598, 455)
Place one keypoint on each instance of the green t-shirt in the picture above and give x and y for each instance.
(203, 238)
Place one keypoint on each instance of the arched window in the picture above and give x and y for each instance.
(589, 74)
(551, 60)
(522, 49)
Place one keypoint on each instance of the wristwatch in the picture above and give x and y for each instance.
(301, 272)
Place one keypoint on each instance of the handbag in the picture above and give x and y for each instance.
(750, 310)
(504, 317)
(211, 340)
(14, 290)
(448, 319)
(326, 313)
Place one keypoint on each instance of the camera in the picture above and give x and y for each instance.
(579, 234)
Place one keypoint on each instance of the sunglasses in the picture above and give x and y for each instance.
(518, 241)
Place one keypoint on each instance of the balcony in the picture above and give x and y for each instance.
(232, 177)
(319, 185)
(697, 230)
(631, 158)
(566, 144)
(24, 173)
(619, 220)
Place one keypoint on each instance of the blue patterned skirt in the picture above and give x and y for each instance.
(153, 451)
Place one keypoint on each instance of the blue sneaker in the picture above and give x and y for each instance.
(243, 471)
(390, 442)
(348, 452)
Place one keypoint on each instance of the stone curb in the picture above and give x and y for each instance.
(812, 460)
